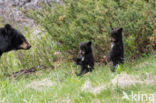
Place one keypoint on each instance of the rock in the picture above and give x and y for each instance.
(125, 80)
(40, 85)
(9, 11)
(87, 87)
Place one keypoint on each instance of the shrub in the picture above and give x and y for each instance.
(75, 21)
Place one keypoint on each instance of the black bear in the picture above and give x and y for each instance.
(86, 59)
(116, 53)
(12, 39)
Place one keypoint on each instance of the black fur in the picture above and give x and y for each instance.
(116, 53)
(86, 59)
(12, 39)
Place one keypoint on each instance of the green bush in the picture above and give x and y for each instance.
(75, 21)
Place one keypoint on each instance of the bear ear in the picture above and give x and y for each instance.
(112, 28)
(8, 26)
(120, 29)
(89, 43)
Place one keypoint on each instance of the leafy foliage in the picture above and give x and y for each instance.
(75, 21)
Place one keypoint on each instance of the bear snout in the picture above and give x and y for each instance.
(82, 52)
(25, 45)
(112, 39)
(29, 46)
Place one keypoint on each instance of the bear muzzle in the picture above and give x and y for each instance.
(25, 45)
(112, 39)
(82, 52)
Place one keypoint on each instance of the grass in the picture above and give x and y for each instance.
(67, 87)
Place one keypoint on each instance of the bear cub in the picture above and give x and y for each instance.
(12, 39)
(86, 59)
(116, 52)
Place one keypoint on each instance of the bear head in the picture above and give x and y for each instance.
(85, 48)
(116, 35)
(12, 39)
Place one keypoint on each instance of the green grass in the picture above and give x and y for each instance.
(67, 87)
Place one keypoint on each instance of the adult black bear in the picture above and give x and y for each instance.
(12, 39)
(86, 59)
(116, 53)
